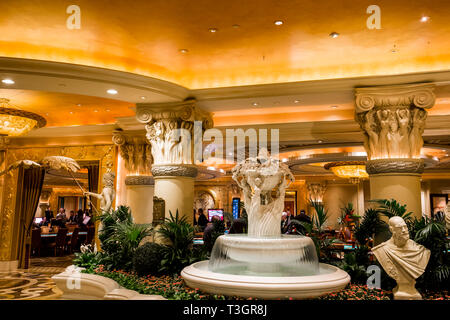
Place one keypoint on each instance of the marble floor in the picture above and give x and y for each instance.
(34, 283)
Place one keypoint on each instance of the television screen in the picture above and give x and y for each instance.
(38, 220)
(235, 206)
(215, 212)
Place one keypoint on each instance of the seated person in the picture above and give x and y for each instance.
(202, 219)
(207, 234)
(73, 217)
(303, 217)
(80, 218)
(48, 215)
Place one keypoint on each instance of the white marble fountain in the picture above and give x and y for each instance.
(264, 263)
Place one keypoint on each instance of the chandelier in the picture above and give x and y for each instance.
(15, 122)
(352, 170)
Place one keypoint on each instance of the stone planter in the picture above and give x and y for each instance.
(76, 285)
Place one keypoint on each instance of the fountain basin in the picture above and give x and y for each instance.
(283, 255)
(328, 279)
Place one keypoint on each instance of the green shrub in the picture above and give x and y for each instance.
(431, 233)
(87, 258)
(147, 259)
(120, 237)
(370, 225)
(178, 236)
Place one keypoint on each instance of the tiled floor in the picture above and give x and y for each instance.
(35, 282)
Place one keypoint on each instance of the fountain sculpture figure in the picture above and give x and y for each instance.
(264, 263)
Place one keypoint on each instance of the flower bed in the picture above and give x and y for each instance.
(174, 288)
(358, 292)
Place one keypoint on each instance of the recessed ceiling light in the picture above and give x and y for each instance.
(212, 30)
(296, 101)
(8, 81)
(71, 112)
(236, 26)
(255, 104)
(319, 141)
(78, 104)
(334, 107)
(143, 97)
(184, 50)
(424, 19)
(95, 110)
(107, 110)
(334, 34)
(112, 91)
(278, 23)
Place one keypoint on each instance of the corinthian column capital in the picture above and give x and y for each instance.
(135, 150)
(411, 95)
(169, 129)
(393, 119)
(173, 111)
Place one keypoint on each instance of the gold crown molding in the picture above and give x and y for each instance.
(31, 68)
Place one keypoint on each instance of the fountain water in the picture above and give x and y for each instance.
(264, 263)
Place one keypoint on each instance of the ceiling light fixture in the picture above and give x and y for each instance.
(334, 34)
(16, 122)
(184, 50)
(334, 107)
(424, 19)
(8, 81)
(143, 97)
(296, 101)
(353, 170)
(255, 104)
(278, 23)
(112, 91)
(212, 30)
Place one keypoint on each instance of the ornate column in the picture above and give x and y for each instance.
(316, 190)
(393, 120)
(169, 129)
(135, 152)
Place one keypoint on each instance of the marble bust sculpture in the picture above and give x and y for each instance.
(403, 260)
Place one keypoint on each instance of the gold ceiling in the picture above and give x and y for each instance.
(61, 109)
(145, 37)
